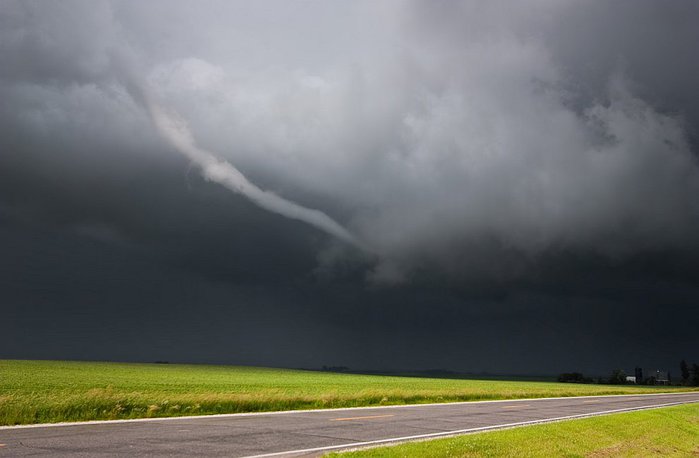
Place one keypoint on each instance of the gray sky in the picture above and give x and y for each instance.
(523, 178)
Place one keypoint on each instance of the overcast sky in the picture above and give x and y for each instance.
(481, 186)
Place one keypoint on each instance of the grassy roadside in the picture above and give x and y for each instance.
(53, 391)
(669, 431)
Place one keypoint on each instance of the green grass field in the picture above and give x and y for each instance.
(670, 431)
(53, 391)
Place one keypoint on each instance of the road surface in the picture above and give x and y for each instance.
(305, 433)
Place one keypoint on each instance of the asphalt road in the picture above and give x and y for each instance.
(304, 433)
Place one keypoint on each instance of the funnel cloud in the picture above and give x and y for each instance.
(175, 131)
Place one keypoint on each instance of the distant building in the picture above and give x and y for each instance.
(649, 377)
(658, 377)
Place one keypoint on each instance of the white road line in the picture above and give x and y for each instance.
(465, 431)
(370, 417)
(338, 409)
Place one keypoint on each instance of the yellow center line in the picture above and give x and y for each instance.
(589, 402)
(361, 418)
(516, 407)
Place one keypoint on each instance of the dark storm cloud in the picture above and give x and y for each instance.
(526, 175)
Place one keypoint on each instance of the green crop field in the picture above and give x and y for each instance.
(53, 391)
(670, 431)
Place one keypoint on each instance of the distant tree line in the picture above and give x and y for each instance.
(618, 377)
(574, 377)
(689, 377)
(335, 368)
